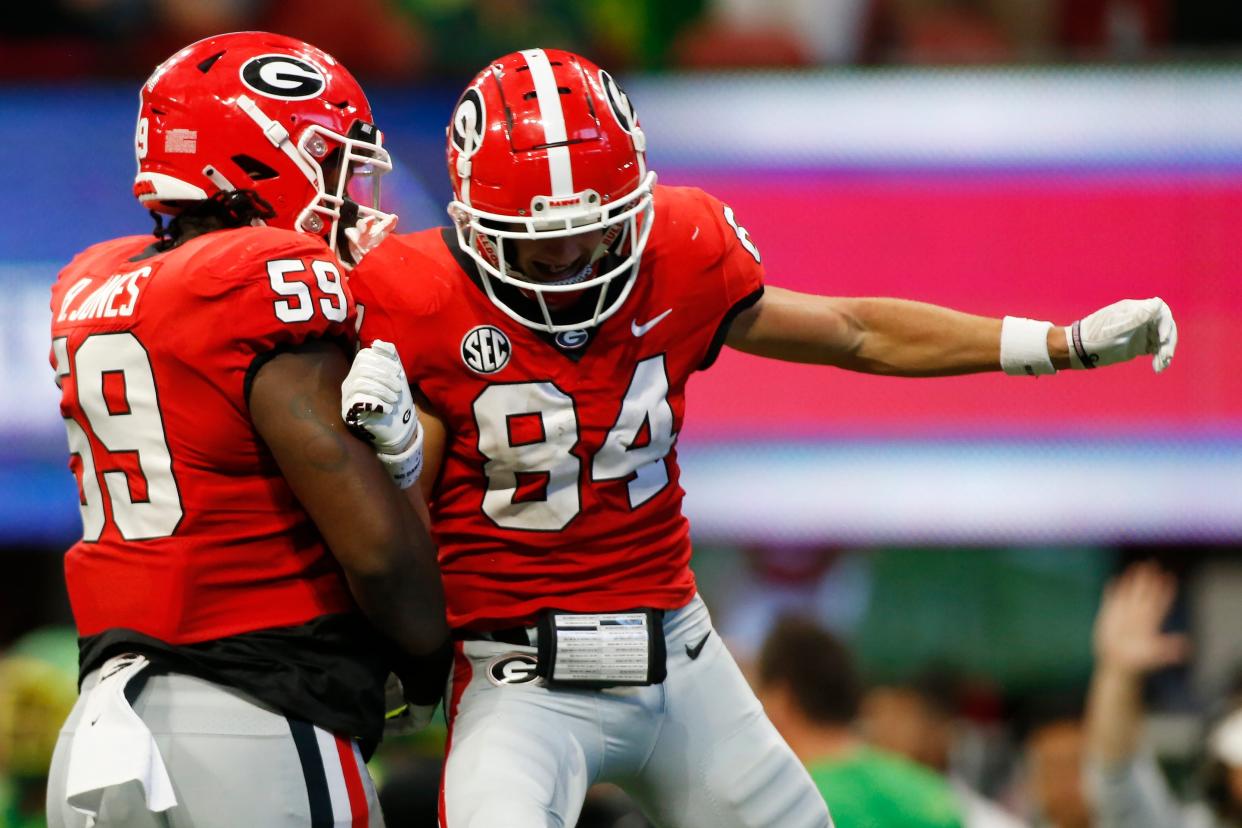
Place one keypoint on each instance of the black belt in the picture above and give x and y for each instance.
(514, 636)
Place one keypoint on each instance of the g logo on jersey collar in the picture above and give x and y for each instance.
(512, 668)
(283, 77)
(485, 349)
(572, 340)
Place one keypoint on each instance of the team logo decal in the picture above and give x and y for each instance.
(284, 77)
(468, 121)
(512, 668)
(485, 349)
(619, 103)
(572, 340)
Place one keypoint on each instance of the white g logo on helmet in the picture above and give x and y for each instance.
(619, 103)
(466, 131)
(283, 77)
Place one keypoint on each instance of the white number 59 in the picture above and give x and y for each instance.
(333, 304)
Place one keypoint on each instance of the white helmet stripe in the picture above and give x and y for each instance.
(553, 117)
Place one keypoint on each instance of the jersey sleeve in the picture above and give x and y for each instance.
(742, 266)
(739, 271)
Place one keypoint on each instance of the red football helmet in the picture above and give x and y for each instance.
(263, 112)
(543, 144)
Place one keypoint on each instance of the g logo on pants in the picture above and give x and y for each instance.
(512, 668)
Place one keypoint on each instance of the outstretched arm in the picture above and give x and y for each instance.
(898, 337)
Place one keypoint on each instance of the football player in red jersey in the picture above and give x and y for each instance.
(232, 527)
(550, 333)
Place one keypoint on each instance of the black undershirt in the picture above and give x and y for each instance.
(330, 671)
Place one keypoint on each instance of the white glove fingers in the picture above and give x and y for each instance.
(1168, 342)
(377, 397)
(364, 412)
(367, 233)
(385, 226)
(380, 346)
(362, 404)
(382, 359)
(385, 392)
(379, 370)
(392, 386)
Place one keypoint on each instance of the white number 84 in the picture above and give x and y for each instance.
(644, 411)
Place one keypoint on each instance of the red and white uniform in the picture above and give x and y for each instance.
(195, 556)
(189, 531)
(559, 486)
(560, 489)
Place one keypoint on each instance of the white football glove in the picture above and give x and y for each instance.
(1122, 331)
(400, 717)
(376, 398)
(376, 401)
(365, 236)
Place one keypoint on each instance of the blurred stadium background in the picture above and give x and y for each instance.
(1037, 157)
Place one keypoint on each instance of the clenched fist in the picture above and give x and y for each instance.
(1122, 331)
(376, 399)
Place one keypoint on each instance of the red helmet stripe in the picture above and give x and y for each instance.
(559, 168)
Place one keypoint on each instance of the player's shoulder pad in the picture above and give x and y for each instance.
(105, 254)
(239, 256)
(411, 274)
(689, 226)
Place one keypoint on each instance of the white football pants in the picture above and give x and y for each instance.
(695, 752)
(232, 762)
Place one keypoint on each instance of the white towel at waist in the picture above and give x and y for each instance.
(112, 745)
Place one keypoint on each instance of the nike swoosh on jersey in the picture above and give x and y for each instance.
(639, 330)
(694, 651)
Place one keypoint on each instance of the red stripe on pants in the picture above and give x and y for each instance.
(353, 783)
(461, 677)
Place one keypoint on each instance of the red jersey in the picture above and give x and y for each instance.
(190, 532)
(559, 486)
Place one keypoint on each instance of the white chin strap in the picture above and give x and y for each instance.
(277, 135)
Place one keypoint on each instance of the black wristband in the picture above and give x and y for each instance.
(423, 677)
(1088, 360)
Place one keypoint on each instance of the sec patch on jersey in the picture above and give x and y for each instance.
(485, 349)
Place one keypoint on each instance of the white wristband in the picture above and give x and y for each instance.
(1024, 347)
(406, 466)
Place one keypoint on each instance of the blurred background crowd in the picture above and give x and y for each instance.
(915, 576)
(399, 40)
